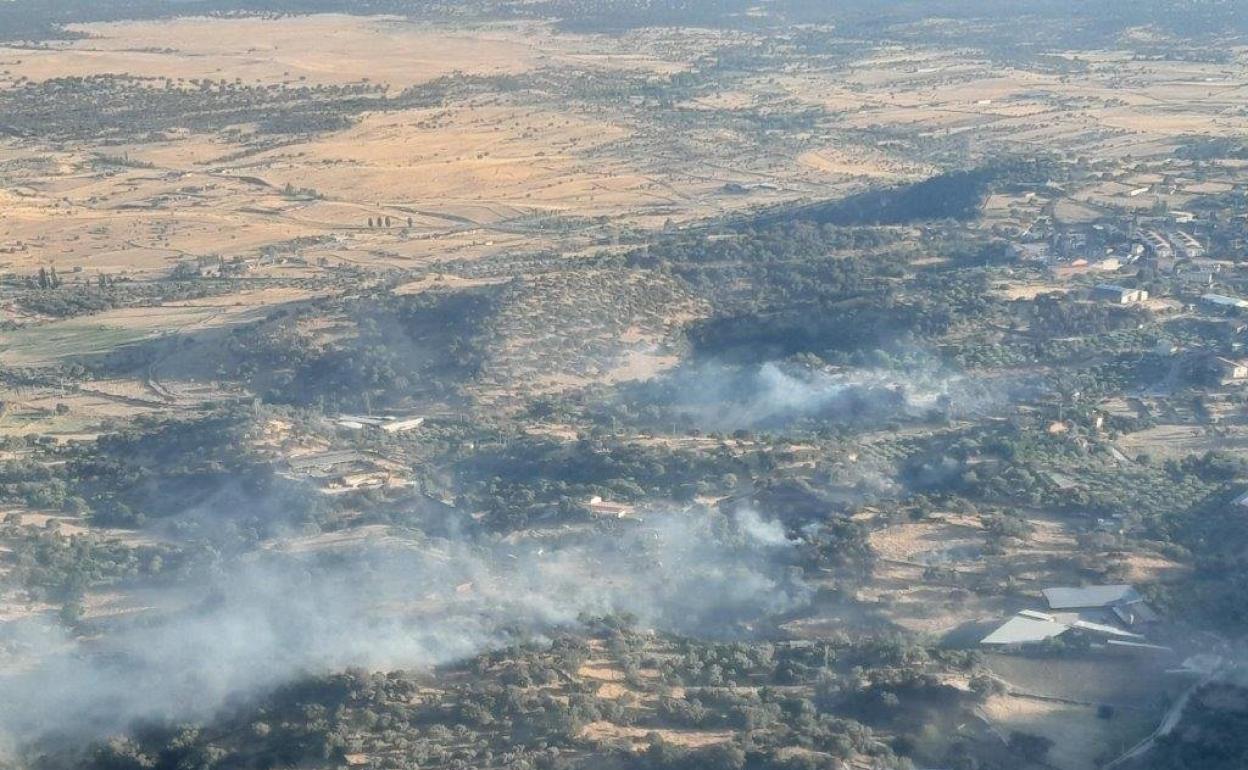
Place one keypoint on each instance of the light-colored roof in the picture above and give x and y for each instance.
(1021, 629)
(1222, 299)
(360, 419)
(326, 459)
(1034, 615)
(1064, 598)
(1103, 630)
(1139, 645)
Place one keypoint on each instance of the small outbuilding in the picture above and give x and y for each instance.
(1118, 295)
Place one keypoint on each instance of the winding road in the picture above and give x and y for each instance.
(1168, 722)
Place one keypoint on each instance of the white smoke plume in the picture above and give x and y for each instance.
(719, 397)
(391, 604)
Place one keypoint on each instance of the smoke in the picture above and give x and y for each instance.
(773, 395)
(385, 605)
(766, 532)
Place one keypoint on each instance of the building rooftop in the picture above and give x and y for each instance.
(1222, 299)
(1139, 645)
(1067, 598)
(1023, 629)
(1035, 615)
(600, 507)
(325, 460)
(1102, 629)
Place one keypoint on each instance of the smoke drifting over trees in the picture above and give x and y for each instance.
(774, 395)
(391, 605)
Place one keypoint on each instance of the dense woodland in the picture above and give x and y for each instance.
(520, 708)
(380, 351)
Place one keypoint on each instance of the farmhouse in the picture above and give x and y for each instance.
(344, 470)
(385, 424)
(1032, 627)
(1100, 615)
(327, 463)
(1119, 295)
(400, 426)
(1120, 603)
(607, 510)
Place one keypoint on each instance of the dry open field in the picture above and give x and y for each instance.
(1080, 740)
(499, 171)
(472, 176)
(1165, 441)
(319, 49)
(1117, 107)
(1137, 690)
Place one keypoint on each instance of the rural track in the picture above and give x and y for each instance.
(128, 400)
(1168, 722)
